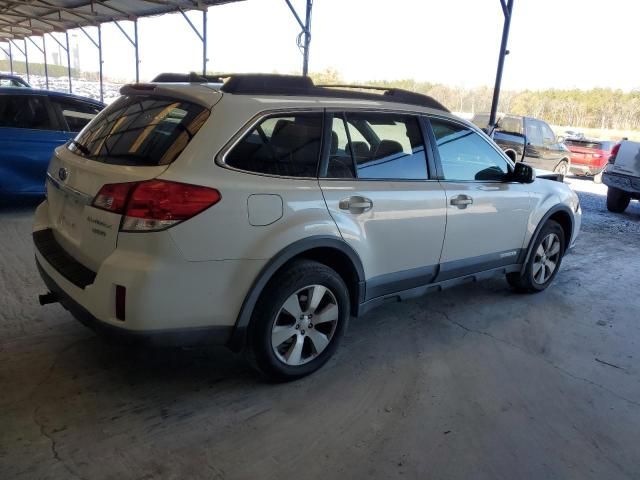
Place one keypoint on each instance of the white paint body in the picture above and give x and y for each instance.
(198, 273)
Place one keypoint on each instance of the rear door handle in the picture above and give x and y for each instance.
(461, 201)
(356, 204)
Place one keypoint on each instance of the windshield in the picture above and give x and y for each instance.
(140, 131)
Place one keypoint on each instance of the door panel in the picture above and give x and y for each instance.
(487, 233)
(553, 151)
(28, 135)
(381, 200)
(24, 156)
(487, 216)
(403, 230)
(534, 150)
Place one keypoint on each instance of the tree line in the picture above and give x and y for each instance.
(603, 108)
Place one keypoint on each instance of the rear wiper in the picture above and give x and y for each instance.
(80, 147)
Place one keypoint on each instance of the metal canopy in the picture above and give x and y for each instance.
(25, 18)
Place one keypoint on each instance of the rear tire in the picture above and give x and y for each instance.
(298, 321)
(617, 200)
(543, 263)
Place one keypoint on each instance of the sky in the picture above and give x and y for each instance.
(553, 43)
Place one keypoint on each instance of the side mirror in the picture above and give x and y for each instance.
(523, 173)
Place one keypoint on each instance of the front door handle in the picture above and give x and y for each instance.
(461, 201)
(356, 204)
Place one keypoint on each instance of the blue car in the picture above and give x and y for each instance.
(32, 124)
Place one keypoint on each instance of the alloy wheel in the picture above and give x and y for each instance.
(546, 258)
(305, 325)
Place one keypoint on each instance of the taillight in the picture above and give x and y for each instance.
(154, 205)
(113, 196)
(614, 152)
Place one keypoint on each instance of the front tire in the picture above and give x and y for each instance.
(562, 168)
(544, 261)
(298, 321)
(617, 200)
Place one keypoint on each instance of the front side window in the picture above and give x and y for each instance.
(140, 130)
(24, 111)
(534, 133)
(380, 145)
(465, 155)
(75, 114)
(286, 145)
(548, 136)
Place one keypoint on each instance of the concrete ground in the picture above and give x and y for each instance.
(474, 383)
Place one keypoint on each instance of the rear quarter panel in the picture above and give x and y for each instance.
(224, 231)
(24, 157)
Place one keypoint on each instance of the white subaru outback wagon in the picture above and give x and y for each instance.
(265, 211)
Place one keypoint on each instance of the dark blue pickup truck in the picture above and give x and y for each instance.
(528, 140)
(32, 124)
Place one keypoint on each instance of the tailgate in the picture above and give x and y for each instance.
(627, 160)
(135, 139)
(88, 234)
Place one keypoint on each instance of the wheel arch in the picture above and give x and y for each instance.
(561, 214)
(330, 251)
(563, 160)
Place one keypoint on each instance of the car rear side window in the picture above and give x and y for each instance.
(380, 145)
(25, 111)
(465, 155)
(141, 131)
(76, 114)
(286, 145)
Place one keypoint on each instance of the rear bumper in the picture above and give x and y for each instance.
(585, 169)
(169, 300)
(217, 335)
(622, 182)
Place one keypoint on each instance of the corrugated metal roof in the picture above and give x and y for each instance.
(24, 18)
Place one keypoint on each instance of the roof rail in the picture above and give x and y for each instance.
(295, 85)
(191, 77)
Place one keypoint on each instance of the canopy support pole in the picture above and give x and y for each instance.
(26, 61)
(10, 58)
(66, 49)
(202, 36)
(66, 37)
(43, 51)
(303, 43)
(507, 9)
(98, 45)
(8, 54)
(133, 41)
(23, 52)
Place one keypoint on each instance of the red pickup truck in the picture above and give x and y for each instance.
(588, 157)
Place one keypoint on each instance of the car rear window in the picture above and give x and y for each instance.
(594, 144)
(506, 124)
(140, 131)
(284, 145)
